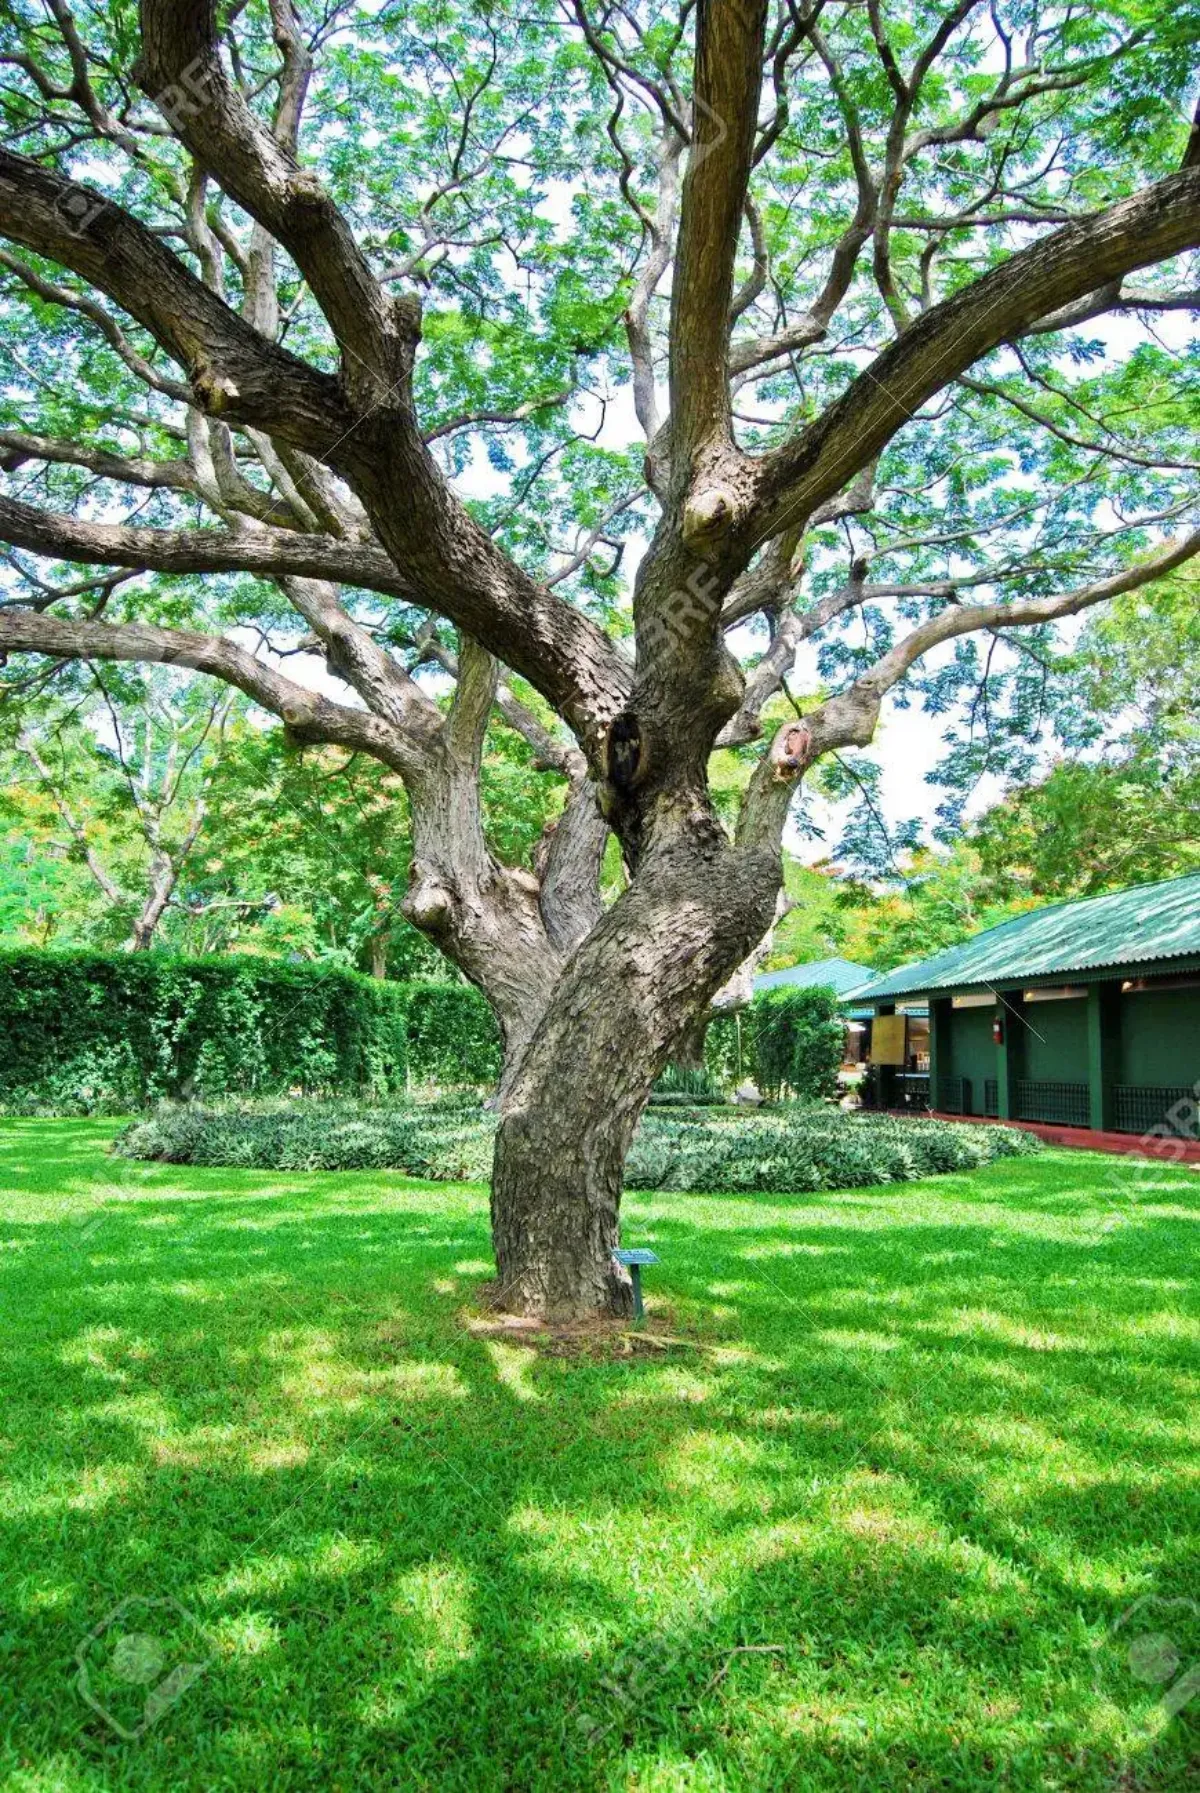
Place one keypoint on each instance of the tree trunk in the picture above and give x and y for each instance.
(164, 874)
(568, 1115)
(688, 1052)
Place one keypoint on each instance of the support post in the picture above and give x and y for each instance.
(1010, 1053)
(886, 1074)
(941, 1060)
(1104, 1051)
(633, 1261)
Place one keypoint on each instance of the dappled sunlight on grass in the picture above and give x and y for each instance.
(863, 1515)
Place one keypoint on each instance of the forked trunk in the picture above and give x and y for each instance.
(164, 875)
(645, 974)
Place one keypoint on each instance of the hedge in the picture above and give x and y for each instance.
(88, 1032)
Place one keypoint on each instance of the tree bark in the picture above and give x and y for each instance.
(645, 974)
(688, 1052)
(164, 875)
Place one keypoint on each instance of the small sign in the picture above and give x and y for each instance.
(633, 1261)
(889, 1039)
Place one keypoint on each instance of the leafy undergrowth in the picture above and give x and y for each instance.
(916, 1508)
(792, 1147)
(806, 1149)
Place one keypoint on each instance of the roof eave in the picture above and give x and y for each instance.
(1079, 974)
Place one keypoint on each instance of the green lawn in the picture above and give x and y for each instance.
(872, 1529)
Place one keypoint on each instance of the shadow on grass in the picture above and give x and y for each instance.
(869, 1530)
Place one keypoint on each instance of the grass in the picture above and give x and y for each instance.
(876, 1528)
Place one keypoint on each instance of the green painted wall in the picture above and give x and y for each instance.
(1056, 1041)
(1147, 1038)
(1160, 1037)
(972, 1050)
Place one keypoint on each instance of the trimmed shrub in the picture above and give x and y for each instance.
(785, 1040)
(792, 1150)
(798, 1041)
(89, 1033)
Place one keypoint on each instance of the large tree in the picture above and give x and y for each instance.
(340, 312)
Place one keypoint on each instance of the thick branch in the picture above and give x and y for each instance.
(272, 553)
(232, 370)
(1161, 221)
(310, 717)
(568, 866)
(356, 656)
(1114, 297)
(19, 446)
(471, 706)
(729, 52)
(181, 69)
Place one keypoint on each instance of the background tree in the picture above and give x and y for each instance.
(1119, 805)
(337, 308)
(111, 770)
(1124, 808)
(331, 834)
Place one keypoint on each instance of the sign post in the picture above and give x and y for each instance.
(633, 1261)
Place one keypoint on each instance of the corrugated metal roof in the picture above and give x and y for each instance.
(1128, 927)
(838, 974)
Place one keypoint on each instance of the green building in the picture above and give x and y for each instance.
(1085, 1014)
(840, 975)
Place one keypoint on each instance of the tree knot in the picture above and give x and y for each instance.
(428, 904)
(215, 392)
(791, 751)
(306, 188)
(709, 514)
